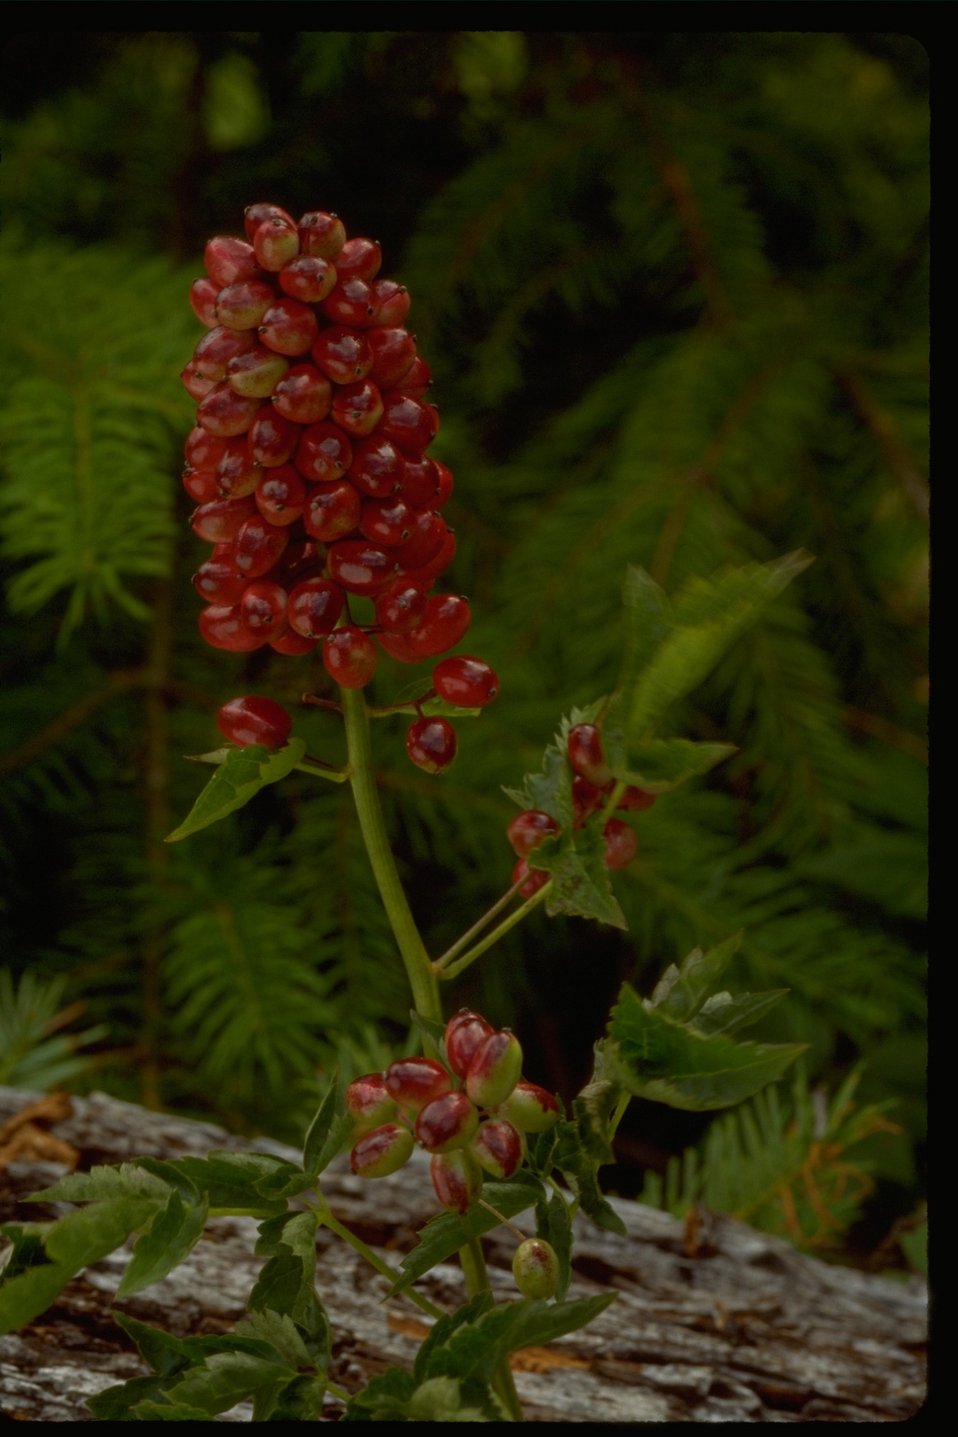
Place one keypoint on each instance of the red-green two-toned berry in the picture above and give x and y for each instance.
(414, 1082)
(497, 1148)
(448, 1122)
(620, 842)
(530, 1108)
(383, 1151)
(254, 719)
(369, 1102)
(465, 1033)
(535, 1268)
(456, 1179)
(495, 1069)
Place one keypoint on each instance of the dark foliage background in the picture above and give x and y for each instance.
(673, 291)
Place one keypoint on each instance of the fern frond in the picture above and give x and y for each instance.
(32, 1053)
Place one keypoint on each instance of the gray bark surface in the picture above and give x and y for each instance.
(734, 1326)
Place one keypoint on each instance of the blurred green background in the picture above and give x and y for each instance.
(672, 288)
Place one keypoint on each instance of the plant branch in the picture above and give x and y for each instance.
(452, 970)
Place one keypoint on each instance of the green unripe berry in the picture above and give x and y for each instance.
(535, 1268)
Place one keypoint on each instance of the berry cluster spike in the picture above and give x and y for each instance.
(470, 1112)
(308, 463)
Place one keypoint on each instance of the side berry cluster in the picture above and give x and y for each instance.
(592, 784)
(308, 463)
(470, 1111)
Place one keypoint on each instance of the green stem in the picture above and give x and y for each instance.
(466, 938)
(419, 971)
(372, 1257)
(452, 970)
(477, 1280)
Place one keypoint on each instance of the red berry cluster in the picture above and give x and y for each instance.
(469, 1111)
(591, 785)
(308, 459)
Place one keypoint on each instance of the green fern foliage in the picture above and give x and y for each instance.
(797, 1169)
(87, 422)
(34, 1051)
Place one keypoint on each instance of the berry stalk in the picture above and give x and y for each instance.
(419, 970)
(447, 969)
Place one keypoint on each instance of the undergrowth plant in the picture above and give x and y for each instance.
(308, 463)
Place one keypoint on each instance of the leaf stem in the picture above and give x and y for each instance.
(480, 923)
(419, 969)
(327, 1219)
(477, 1280)
(447, 970)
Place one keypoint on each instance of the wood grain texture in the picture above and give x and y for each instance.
(719, 1325)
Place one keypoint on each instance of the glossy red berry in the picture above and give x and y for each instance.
(497, 1148)
(431, 744)
(257, 214)
(530, 828)
(465, 681)
(276, 242)
(448, 1122)
(635, 800)
(620, 843)
(229, 259)
(350, 657)
(535, 1267)
(456, 1179)
(321, 234)
(465, 1033)
(530, 879)
(314, 607)
(414, 1082)
(586, 756)
(254, 719)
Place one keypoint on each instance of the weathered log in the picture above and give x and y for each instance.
(726, 1324)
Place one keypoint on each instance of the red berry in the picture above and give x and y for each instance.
(417, 379)
(314, 607)
(620, 843)
(587, 799)
(497, 1148)
(225, 413)
(219, 582)
(203, 293)
(221, 520)
(399, 606)
(410, 425)
(242, 305)
(357, 408)
(323, 452)
(393, 350)
(217, 347)
(532, 879)
(414, 1082)
(263, 607)
(465, 1033)
(254, 719)
(528, 829)
(280, 494)
(257, 546)
(445, 620)
(236, 473)
(350, 657)
(385, 522)
(276, 242)
(259, 213)
(466, 682)
(586, 756)
(272, 439)
(303, 395)
(359, 257)
(431, 744)
(257, 372)
(229, 259)
(391, 300)
(447, 1122)
(351, 302)
(331, 511)
(377, 467)
(288, 327)
(535, 1267)
(308, 277)
(343, 355)
(222, 627)
(321, 234)
(456, 1179)
(635, 800)
(359, 566)
(196, 386)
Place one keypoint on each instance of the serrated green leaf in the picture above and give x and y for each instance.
(71, 1243)
(226, 1378)
(230, 1180)
(583, 1143)
(327, 1132)
(159, 1411)
(581, 885)
(667, 1062)
(121, 1403)
(238, 779)
(300, 1400)
(680, 992)
(476, 1349)
(447, 1233)
(385, 1395)
(443, 1328)
(274, 1326)
(723, 1013)
(173, 1233)
(126, 1180)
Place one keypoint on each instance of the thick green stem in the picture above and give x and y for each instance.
(422, 980)
(477, 1280)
